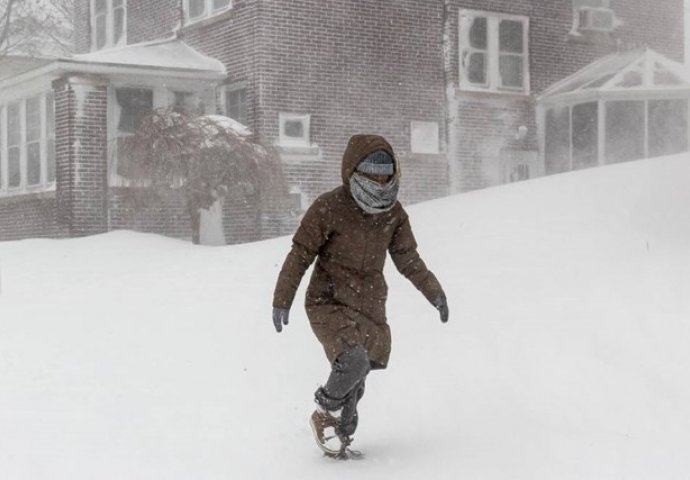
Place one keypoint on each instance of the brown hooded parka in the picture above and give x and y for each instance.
(346, 297)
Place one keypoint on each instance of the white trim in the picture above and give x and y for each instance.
(493, 53)
(288, 141)
(209, 11)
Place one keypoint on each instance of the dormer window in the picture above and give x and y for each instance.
(108, 23)
(200, 9)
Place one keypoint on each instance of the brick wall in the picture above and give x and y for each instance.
(81, 149)
(33, 215)
(145, 211)
(356, 67)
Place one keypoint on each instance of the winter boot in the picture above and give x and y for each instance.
(326, 427)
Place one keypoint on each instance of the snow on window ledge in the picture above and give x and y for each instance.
(466, 90)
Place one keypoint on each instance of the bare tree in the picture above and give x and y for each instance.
(203, 156)
(36, 27)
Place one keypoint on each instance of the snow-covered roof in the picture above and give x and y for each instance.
(166, 58)
(172, 54)
(12, 65)
(633, 71)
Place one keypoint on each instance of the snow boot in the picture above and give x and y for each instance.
(325, 425)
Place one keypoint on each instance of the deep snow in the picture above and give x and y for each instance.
(132, 356)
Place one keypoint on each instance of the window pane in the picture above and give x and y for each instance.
(118, 3)
(294, 129)
(236, 105)
(196, 8)
(13, 126)
(1, 148)
(100, 6)
(100, 31)
(511, 36)
(476, 68)
(134, 104)
(50, 142)
(118, 25)
(218, 4)
(624, 131)
(33, 163)
(668, 127)
(585, 133)
(187, 102)
(33, 119)
(13, 172)
(478, 33)
(510, 69)
(50, 161)
(557, 144)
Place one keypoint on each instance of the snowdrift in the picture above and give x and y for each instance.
(132, 356)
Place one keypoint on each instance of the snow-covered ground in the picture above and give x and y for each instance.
(132, 356)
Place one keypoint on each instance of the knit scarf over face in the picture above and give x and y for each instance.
(371, 196)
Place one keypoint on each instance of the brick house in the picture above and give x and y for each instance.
(453, 85)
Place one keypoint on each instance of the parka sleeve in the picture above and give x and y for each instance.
(403, 251)
(309, 238)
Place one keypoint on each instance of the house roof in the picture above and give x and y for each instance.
(12, 65)
(172, 54)
(633, 71)
(166, 58)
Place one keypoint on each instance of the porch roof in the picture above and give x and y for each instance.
(639, 71)
(13, 65)
(166, 58)
(172, 54)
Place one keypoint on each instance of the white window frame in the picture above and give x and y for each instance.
(109, 15)
(44, 137)
(493, 77)
(285, 140)
(209, 11)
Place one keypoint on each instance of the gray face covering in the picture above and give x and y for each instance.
(371, 196)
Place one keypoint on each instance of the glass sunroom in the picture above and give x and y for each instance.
(625, 106)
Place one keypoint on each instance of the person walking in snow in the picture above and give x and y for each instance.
(348, 231)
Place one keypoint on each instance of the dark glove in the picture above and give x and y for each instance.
(280, 318)
(442, 306)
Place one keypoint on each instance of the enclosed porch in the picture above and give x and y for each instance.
(626, 106)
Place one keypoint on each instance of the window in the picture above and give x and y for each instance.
(108, 23)
(585, 135)
(494, 52)
(294, 130)
(27, 145)
(129, 104)
(129, 107)
(625, 130)
(424, 137)
(668, 127)
(593, 16)
(187, 102)
(199, 9)
(236, 104)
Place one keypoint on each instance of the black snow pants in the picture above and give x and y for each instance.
(345, 387)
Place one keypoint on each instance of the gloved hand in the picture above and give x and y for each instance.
(442, 306)
(280, 318)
